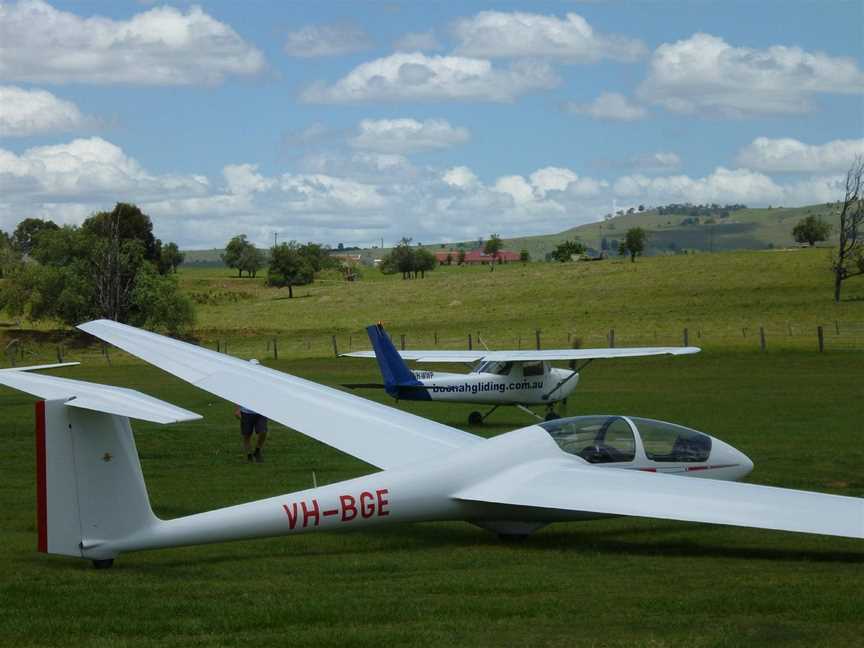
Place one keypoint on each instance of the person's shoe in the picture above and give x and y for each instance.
(257, 455)
(250, 458)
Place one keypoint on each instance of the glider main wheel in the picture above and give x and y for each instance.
(106, 563)
(551, 416)
(475, 418)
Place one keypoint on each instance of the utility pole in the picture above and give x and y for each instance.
(275, 238)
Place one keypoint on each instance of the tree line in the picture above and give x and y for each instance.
(111, 266)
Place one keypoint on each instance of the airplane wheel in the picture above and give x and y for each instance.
(551, 416)
(107, 563)
(475, 418)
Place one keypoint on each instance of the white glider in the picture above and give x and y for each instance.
(92, 501)
(519, 378)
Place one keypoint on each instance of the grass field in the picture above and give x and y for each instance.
(611, 583)
(619, 582)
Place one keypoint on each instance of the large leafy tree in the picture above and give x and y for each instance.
(424, 261)
(128, 223)
(289, 267)
(811, 230)
(848, 259)
(493, 246)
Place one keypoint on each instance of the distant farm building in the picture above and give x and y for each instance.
(476, 257)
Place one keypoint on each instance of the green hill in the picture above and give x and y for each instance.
(742, 229)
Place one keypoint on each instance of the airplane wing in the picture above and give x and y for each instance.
(100, 398)
(532, 356)
(377, 434)
(562, 485)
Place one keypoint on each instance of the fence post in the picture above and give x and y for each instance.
(436, 338)
(335, 347)
(762, 337)
(537, 338)
(470, 346)
(686, 337)
(275, 350)
(218, 346)
(350, 342)
(105, 353)
(821, 339)
(519, 343)
(403, 341)
(837, 326)
(60, 353)
(612, 338)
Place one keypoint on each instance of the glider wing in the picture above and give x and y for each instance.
(557, 485)
(380, 435)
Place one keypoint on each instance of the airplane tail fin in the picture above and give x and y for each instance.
(89, 484)
(90, 490)
(394, 371)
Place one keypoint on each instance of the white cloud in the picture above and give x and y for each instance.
(35, 112)
(518, 34)
(85, 170)
(162, 46)
(417, 41)
(315, 41)
(790, 155)
(407, 135)
(417, 77)
(460, 177)
(552, 179)
(704, 74)
(609, 105)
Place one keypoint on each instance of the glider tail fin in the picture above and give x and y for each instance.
(394, 371)
(89, 485)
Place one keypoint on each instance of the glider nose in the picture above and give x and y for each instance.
(736, 464)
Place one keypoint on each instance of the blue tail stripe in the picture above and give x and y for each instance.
(394, 371)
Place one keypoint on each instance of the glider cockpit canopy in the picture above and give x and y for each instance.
(613, 439)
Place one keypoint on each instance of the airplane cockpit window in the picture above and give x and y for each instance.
(532, 369)
(597, 439)
(498, 368)
(669, 442)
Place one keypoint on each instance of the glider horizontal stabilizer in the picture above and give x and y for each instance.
(96, 397)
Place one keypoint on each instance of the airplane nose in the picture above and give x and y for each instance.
(745, 464)
(724, 454)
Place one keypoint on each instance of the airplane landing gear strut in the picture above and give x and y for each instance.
(476, 418)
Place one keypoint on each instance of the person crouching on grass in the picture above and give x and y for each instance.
(252, 422)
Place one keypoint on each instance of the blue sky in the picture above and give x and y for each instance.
(356, 121)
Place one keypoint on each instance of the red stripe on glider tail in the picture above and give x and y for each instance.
(41, 491)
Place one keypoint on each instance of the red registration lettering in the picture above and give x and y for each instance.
(349, 507)
(292, 514)
(383, 501)
(367, 504)
(310, 513)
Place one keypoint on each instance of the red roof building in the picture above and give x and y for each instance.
(477, 256)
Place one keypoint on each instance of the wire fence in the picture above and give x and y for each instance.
(834, 336)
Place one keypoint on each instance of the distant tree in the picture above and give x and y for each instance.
(27, 233)
(460, 258)
(288, 267)
(252, 260)
(524, 256)
(424, 261)
(810, 230)
(493, 247)
(449, 259)
(566, 250)
(318, 256)
(633, 243)
(171, 258)
(233, 255)
(402, 258)
(641, 208)
(9, 257)
(848, 260)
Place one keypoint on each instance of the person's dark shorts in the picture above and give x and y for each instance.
(250, 423)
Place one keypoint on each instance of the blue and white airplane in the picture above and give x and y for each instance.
(519, 378)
